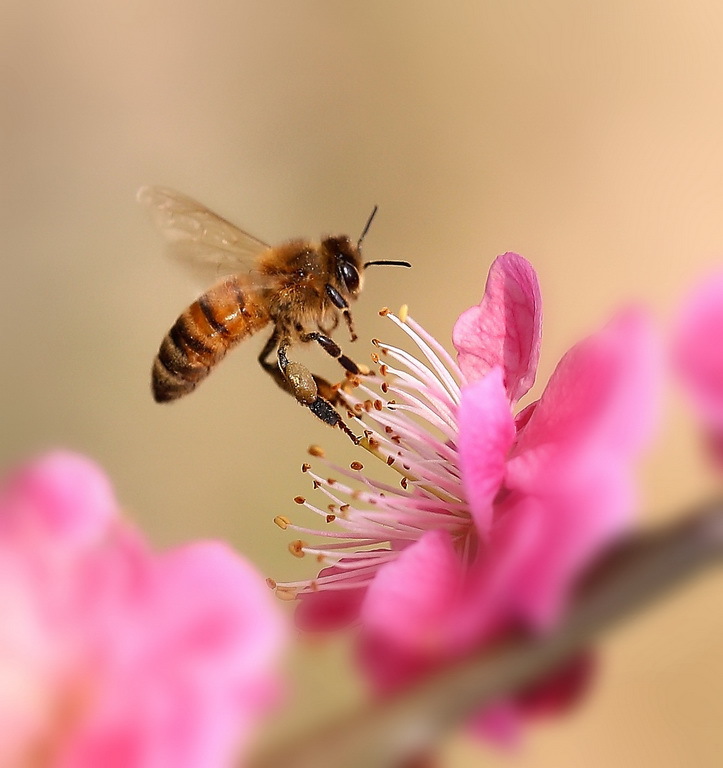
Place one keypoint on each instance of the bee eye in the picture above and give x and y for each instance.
(349, 276)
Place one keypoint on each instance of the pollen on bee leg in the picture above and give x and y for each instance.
(282, 522)
(297, 548)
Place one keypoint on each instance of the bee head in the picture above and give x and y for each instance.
(349, 267)
(347, 263)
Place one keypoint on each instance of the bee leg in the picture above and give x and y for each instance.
(334, 393)
(332, 348)
(269, 347)
(341, 303)
(301, 383)
(272, 368)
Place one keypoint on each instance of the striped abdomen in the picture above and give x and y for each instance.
(202, 335)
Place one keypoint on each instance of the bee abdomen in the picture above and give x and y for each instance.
(202, 335)
(184, 359)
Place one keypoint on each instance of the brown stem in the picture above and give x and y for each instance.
(392, 733)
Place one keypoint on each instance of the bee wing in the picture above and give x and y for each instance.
(201, 240)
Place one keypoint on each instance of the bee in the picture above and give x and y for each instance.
(300, 287)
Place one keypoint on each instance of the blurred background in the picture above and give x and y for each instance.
(587, 137)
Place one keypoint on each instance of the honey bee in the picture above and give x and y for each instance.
(300, 287)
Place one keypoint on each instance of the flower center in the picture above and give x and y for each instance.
(409, 417)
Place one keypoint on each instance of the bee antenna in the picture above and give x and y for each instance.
(366, 226)
(386, 263)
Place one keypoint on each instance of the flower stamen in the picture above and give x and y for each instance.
(409, 422)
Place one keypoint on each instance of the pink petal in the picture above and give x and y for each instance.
(187, 665)
(328, 610)
(486, 433)
(215, 606)
(493, 580)
(123, 657)
(563, 533)
(390, 667)
(505, 328)
(574, 457)
(699, 351)
(63, 497)
(603, 390)
(411, 598)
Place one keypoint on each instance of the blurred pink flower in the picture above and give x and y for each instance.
(496, 516)
(112, 655)
(699, 357)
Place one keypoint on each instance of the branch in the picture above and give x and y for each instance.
(386, 734)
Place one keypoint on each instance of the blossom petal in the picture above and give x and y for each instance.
(391, 667)
(563, 533)
(604, 390)
(494, 578)
(411, 597)
(505, 328)
(486, 433)
(574, 456)
(215, 606)
(117, 656)
(327, 610)
(698, 355)
(61, 497)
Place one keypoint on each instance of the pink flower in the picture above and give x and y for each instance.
(111, 654)
(496, 515)
(699, 357)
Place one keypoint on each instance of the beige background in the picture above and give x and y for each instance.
(586, 136)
